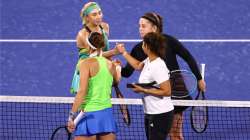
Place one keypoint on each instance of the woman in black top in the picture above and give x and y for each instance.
(152, 22)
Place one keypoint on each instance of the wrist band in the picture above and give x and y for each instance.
(118, 68)
(72, 115)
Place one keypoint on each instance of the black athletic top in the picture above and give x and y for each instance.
(174, 48)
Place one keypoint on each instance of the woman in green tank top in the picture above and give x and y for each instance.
(94, 94)
(91, 15)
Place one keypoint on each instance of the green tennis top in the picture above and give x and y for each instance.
(99, 89)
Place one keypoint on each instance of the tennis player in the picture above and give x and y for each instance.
(158, 107)
(152, 22)
(92, 16)
(94, 95)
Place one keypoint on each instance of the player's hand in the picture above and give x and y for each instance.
(71, 126)
(115, 51)
(120, 47)
(202, 85)
(137, 88)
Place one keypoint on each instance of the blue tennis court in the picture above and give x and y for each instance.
(38, 51)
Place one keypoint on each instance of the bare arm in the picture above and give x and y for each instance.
(80, 39)
(131, 60)
(110, 53)
(164, 90)
(79, 98)
(115, 70)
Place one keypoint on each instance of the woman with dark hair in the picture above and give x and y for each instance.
(152, 22)
(94, 94)
(157, 104)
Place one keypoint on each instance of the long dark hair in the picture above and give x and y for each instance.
(156, 43)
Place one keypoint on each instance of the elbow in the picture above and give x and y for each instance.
(78, 99)
(138, 67)
(167, 92)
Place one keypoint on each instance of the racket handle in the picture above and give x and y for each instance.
(203, 70)
(78, 118)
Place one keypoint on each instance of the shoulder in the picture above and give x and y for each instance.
(159, 63)
(170, 37)
(111, 66)
(138, 46)
(81, 38)
(167, 35)
(160, 70)
(82, 33)
(86, 63)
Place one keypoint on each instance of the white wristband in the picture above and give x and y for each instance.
(118, 68)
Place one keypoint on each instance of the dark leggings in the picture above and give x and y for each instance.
(157, 126)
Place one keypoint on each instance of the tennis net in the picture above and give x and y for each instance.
(32, 117)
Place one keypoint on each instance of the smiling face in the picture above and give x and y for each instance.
(145, 27)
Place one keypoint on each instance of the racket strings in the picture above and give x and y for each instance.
(183, 83)
(61, 134)
(199, 118)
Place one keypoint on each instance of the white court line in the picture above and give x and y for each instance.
(46, 99)
(119, 40)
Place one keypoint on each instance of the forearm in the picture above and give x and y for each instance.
(110, 53)
(132, 61)
(117, 76)
(157, 92)
(194, 67)
(79, 99)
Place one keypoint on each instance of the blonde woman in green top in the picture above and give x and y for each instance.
(92, 20)
(94, 96)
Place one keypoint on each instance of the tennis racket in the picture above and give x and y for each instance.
(199, 114)
(62, 132)
(123, 108)
(183, 83)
